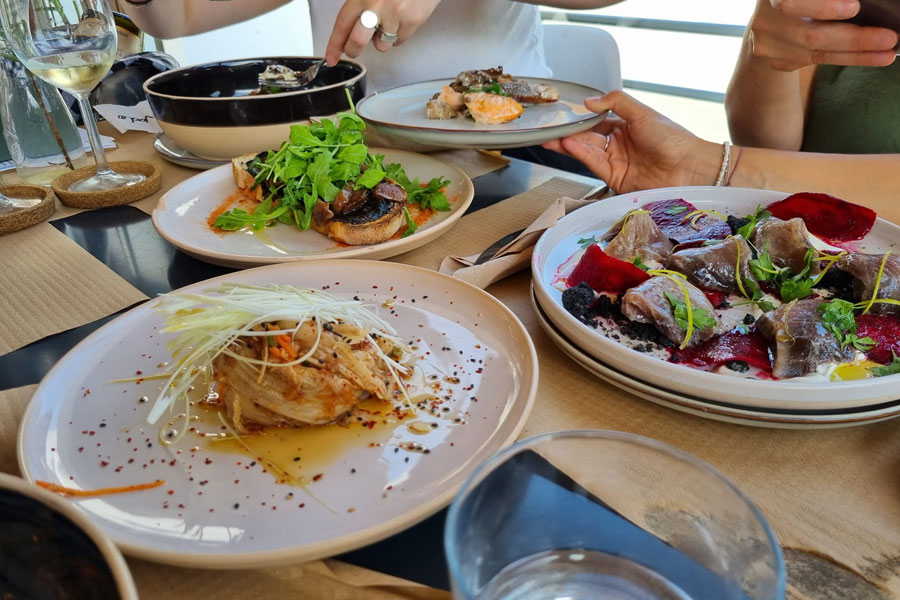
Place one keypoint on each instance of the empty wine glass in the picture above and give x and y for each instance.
(70, 44)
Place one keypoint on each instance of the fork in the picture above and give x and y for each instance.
(304, 78)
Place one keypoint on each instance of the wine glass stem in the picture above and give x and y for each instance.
(90, 123)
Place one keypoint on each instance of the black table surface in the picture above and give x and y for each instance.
(124, 239)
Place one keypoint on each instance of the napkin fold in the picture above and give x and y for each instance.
(515, 255)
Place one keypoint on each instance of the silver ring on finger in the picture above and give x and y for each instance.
(388, 38)
(606, 145)
(369, 19)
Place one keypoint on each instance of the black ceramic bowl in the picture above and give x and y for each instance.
(206, 108)
(50, 550)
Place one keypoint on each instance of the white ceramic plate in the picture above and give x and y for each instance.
(172, 151)
(217, 509)
(182, 214)
(718, 412)
(561, 242)
(400, 112)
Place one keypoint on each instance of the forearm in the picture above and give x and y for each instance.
(868, 179)
(573, 4)
(765, 107)
(166, 19)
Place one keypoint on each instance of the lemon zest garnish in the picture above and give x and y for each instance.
(687, 301)
(877, 283)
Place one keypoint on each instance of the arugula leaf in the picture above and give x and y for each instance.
(237, 218)
(585, 242)
(700, 316)
(676, 210)
(411, 225)
(370, 178)
(758, 215)
(890, 369)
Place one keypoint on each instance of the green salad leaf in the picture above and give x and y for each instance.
(316, 162)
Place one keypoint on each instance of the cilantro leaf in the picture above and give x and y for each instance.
(585, 242)
(700, 316)
(636, 261)
(890, 369)
(758, 215)
(795, 289)
(838, 318)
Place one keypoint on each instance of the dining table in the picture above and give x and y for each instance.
(831, 495)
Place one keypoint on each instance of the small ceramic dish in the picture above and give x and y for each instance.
(49, 549)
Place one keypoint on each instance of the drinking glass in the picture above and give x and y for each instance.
(603, 514)
(70, 44)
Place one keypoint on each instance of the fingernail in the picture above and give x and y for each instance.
(847, 9)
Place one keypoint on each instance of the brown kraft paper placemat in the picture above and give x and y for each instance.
(832, 496)
(50, 284)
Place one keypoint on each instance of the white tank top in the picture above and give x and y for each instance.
(460, 35)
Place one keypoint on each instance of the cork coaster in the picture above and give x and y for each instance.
(32, 215)
(114, 197)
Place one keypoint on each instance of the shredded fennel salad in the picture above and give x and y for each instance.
(208, 324)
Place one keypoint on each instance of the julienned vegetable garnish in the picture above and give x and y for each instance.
(317, 162)
(234, 321)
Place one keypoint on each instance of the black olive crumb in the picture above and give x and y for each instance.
(735, 223)
(749, 319)
(577, 300)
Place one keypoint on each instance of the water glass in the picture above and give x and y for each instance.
(603, 514)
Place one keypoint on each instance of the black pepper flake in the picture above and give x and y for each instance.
(204, 482)
(102, 425)
(236, 506)
(406, 459)
(296, 459)
(353, 470)
(253, 464)
(149, 444)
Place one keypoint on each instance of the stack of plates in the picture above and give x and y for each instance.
(799, 402)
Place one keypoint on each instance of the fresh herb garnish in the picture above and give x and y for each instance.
(758, 215)
(636, 261)
(494, 88)
(411, 224)
(890, 369)
(585, 242)
(700, 316)
(676, 210)
(838, 318)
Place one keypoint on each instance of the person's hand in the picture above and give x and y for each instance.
(790, 34)
(644, 150)
(400, 17)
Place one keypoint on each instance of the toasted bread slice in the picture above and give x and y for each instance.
(379, 221)
(242, 176)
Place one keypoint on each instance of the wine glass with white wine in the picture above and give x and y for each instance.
(70, 44)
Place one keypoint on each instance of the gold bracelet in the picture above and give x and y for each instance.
(726, 158)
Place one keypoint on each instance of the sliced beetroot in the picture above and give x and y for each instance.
(605, 273)
(827, 217)
(885, 331)
(750, 348)
(671, 216)
(717, 299)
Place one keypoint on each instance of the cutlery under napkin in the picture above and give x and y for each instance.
(512, 256)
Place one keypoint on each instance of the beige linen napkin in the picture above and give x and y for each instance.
(514, 256)
(50, 284)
